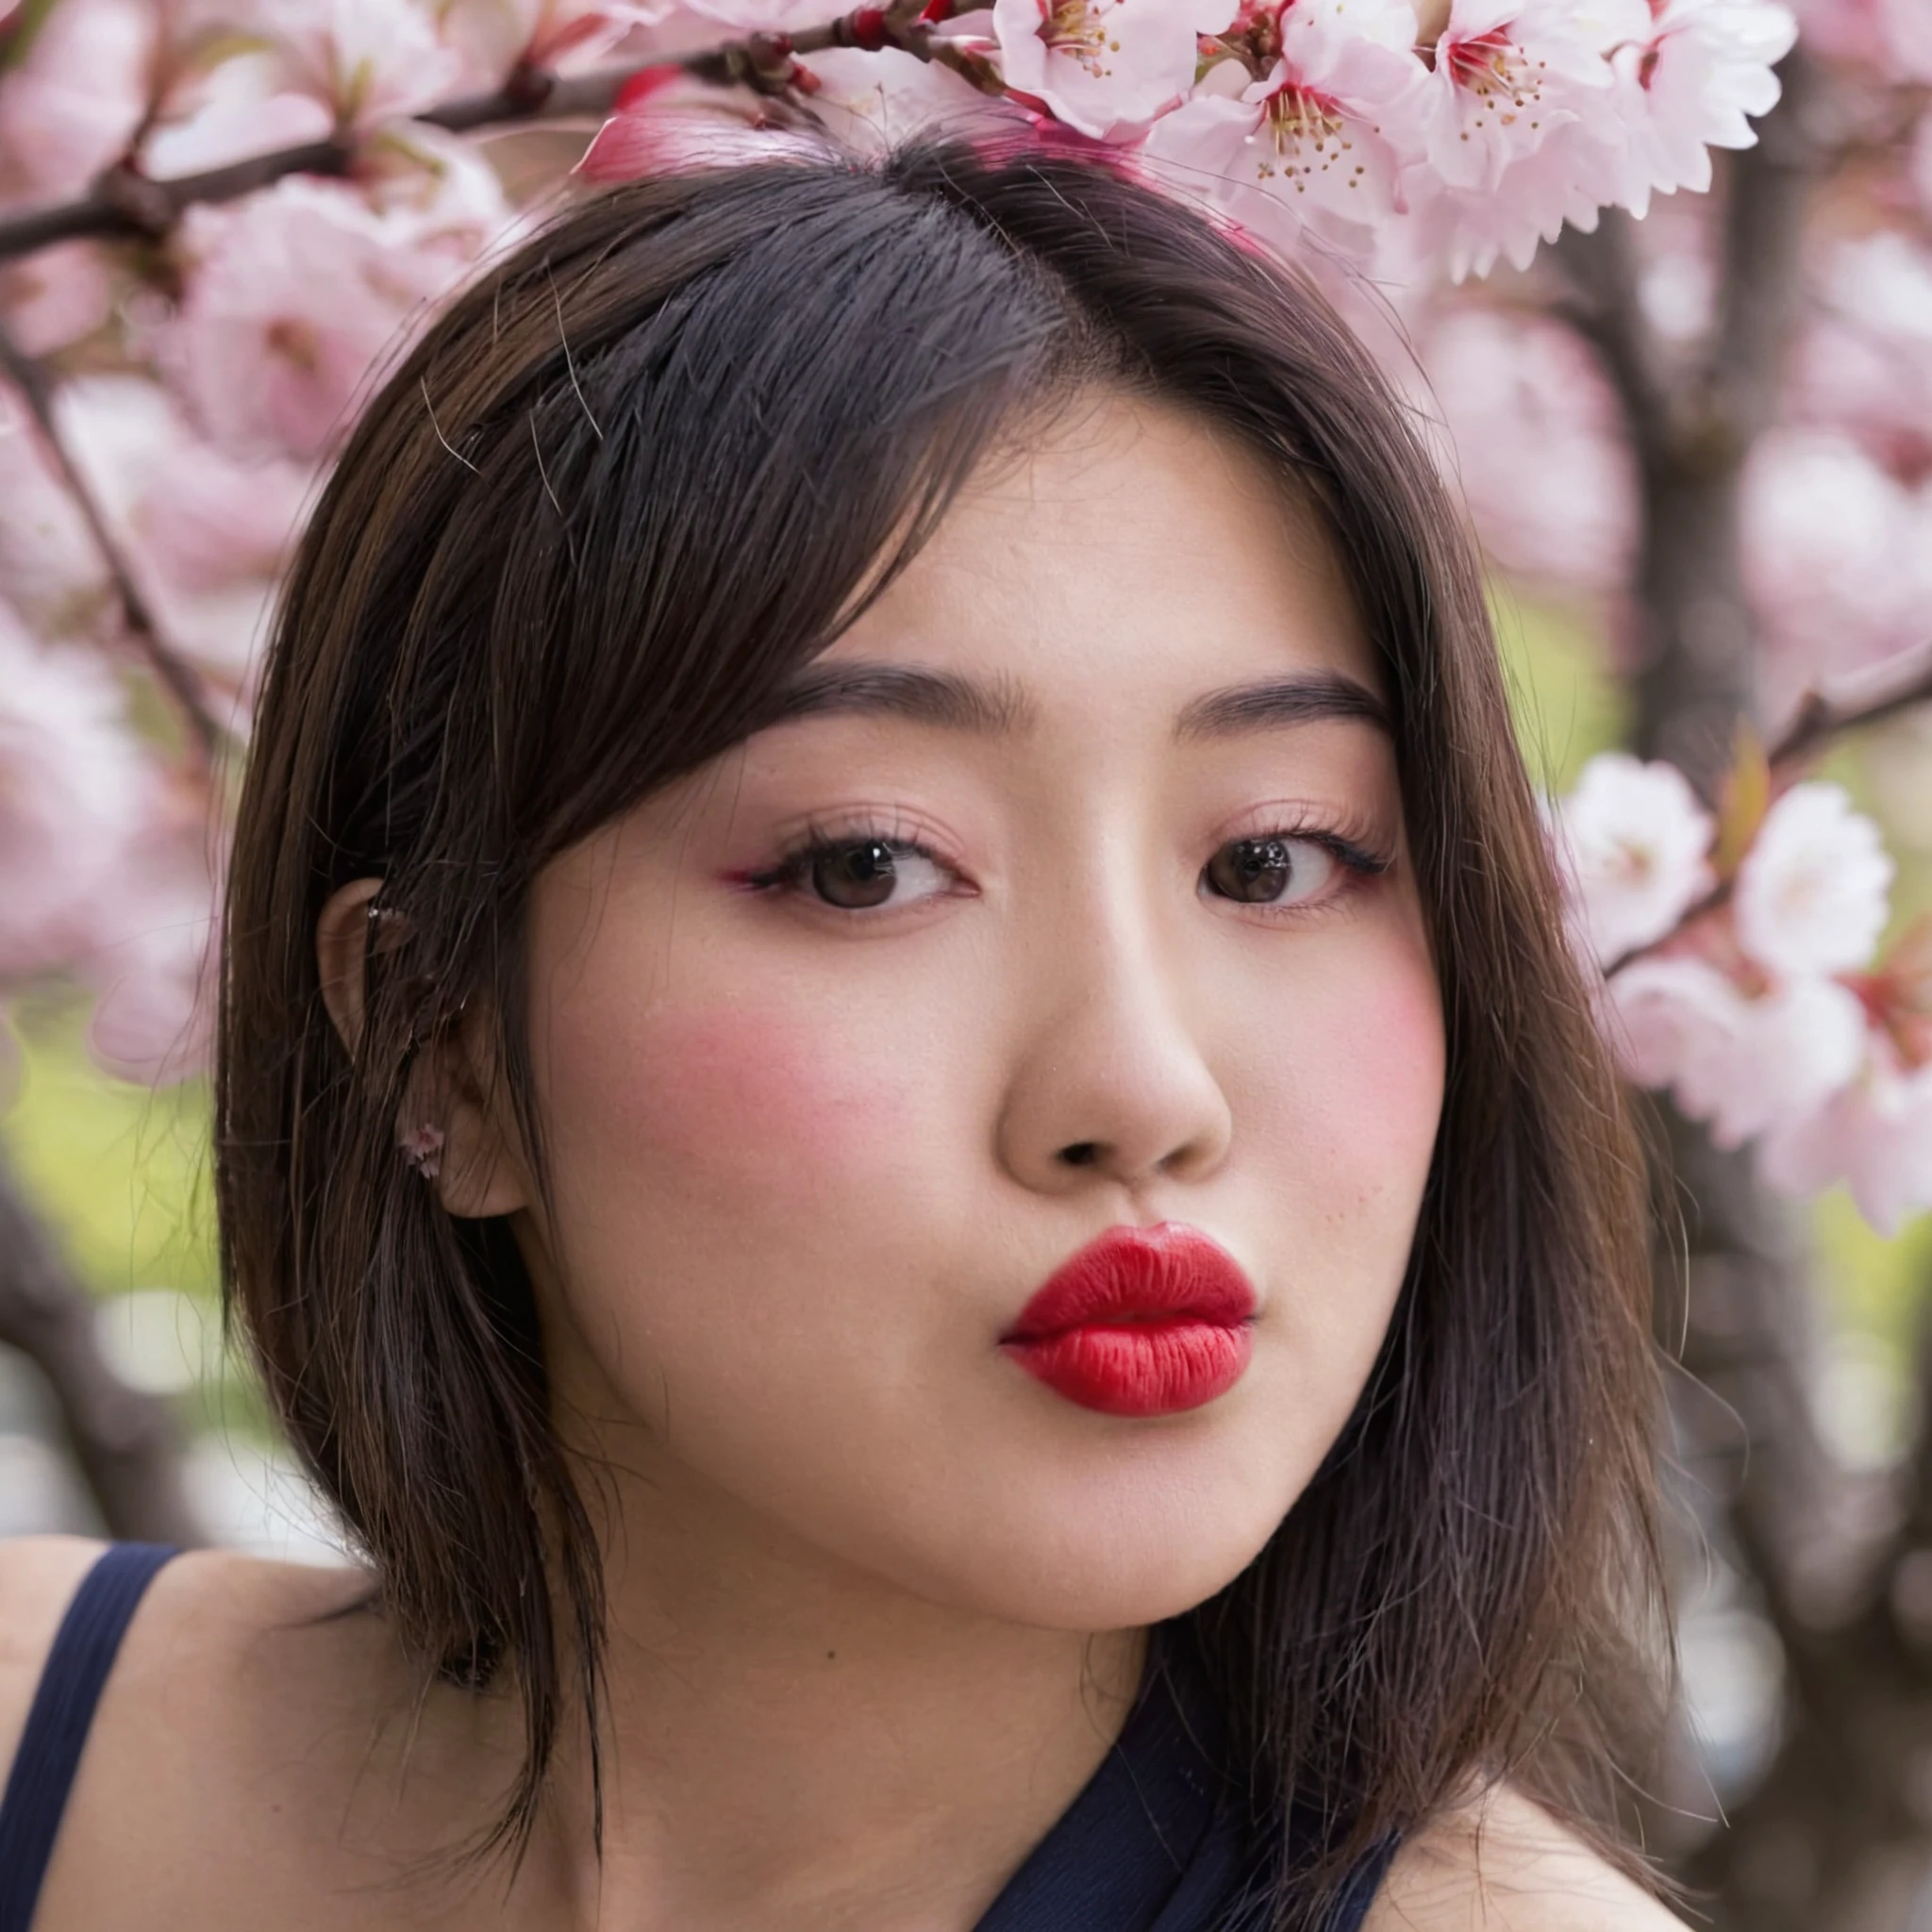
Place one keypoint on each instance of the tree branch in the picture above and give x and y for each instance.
(125, 204)
(174, 671)
(1601, 303)
(125, 1441)
(1817, 721)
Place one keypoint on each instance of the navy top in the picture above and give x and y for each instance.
(1150, 1844)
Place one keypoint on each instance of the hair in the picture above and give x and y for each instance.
(623, 488)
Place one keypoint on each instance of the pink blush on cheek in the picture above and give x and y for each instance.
(1361, 1076)
(1395, 1070)
(721, 1097)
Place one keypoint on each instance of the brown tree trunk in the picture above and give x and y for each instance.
(1838, 1832)
(125, 1441)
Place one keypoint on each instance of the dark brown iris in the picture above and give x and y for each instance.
(855, 875)
(1253, 871)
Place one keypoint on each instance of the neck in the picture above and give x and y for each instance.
(790, 1739)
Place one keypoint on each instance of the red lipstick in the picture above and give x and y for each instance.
(1142, 1321)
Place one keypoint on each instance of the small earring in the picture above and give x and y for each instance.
(423, 1150)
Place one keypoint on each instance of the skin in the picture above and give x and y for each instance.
(877, 1596)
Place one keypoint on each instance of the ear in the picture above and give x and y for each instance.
(342, 939)
(449, 1113)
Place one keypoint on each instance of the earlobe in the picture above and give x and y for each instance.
(445, 1129)
(455, 1139)
(449, 1129)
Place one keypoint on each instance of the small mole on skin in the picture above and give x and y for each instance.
(830, 1655)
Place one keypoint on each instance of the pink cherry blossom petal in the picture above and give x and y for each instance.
(1812, 894)
(1634, 839)
(1742, 1064)
(1102, 64)
(1874, 1134)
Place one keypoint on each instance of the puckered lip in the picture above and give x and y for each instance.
(1166, 1273)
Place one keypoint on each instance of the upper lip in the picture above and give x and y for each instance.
(1168, 1271)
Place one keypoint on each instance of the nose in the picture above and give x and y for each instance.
(1110, 1079)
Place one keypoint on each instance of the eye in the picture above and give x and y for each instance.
(854, 877)
(1273, 870)
(861, 874)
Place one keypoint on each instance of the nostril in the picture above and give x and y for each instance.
(1081, 1153)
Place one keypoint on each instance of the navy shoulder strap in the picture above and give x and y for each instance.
(1363, 1883)
(1154, 1843)
(83, 1653)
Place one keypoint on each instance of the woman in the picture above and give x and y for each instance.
(903, 1120)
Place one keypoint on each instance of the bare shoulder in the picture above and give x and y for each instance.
(203, 1600)
(1501, 1863)
(200, 1618)
(38, 1575)
(225, 1656)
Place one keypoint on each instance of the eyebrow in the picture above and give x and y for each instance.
(997, 709)
(1000, 707)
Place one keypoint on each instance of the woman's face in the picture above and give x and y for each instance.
(821, 1126)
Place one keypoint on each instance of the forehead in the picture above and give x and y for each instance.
(1123, 553)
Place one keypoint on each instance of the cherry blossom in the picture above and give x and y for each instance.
(75, 788)
(204, 532)
(1864, 365)
(1837, 554)
(69, 109)
(1533, 440)
(228, 125)
(868, 101)
(365, 60)
(697, 20)
(296, 294)
(1686, 84)
(1633, 838)
(1508, 74)
(152, 942)
(1875, 1133)
(678, 123)
(1543, 115)
(1812, 890)
(58, 296)
(49, 564)
(1894, 36)
(1459, 232)
(1743, 1064)
(492, 36)
(202, 385)
(1102, 64)
(1316, 134)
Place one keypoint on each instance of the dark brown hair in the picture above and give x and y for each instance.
(627, 484)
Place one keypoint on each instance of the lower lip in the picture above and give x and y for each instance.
(1139, 1368)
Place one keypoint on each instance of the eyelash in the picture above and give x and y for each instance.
(1359, 862)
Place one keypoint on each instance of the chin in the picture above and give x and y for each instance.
(1125, 1589)
(1127, 1557)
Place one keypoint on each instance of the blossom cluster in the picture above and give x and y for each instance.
(202, 379)
(1743, 972)
(1835, 515)
(1403, 140)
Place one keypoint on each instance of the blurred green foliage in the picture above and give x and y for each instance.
(122, 1172)
(1566, 704)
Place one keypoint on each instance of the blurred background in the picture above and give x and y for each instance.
(1697, 448)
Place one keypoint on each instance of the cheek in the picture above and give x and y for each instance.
(723, 1108)
(1345, 1107)
(1383, 1091)
(1350, 1095)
